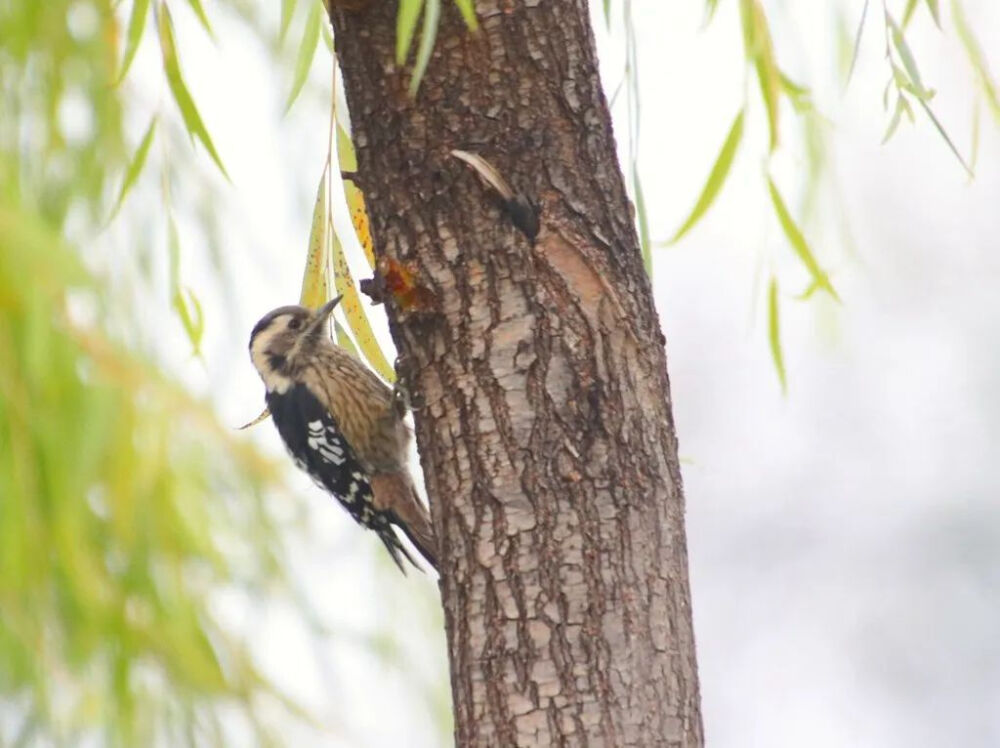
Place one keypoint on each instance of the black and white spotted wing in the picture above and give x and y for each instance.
(315, 442)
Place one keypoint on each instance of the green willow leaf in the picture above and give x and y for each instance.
(857, 43)
(307, 50)
(976, 57)
(911, 6)
(710, 7)
(406, 27)
(327, 34)
(941, 131)
(287, 11)
(183, 300)
(798, 241)
(896, 116)
(640, 209)
(774, 333)
(192, 318)
(760, 49)
(907, 58)
(909, 110)
(903, 83)
(799, 95)
(468, 10)
(199, 10)
(812, 288)
(189, 112)
(432, 14)
(767, 71)
(935, 8)
(345, 150)
(910, 81)
(135, 166)
(173, 255)
(133, 35)
(716, 177)
(974, 147)
(746, 12)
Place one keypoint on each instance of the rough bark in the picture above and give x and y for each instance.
(546, 435)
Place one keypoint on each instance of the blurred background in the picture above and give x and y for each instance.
(166, 579)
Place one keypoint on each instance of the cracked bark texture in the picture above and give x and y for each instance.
(546, 435)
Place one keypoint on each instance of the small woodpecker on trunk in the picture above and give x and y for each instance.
(342, 425)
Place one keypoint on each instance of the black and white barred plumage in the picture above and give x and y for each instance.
(341, 425)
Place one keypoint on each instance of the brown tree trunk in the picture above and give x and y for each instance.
(546, 434)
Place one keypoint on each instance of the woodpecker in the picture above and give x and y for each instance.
(342, 425)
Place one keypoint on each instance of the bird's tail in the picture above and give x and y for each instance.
(395, 493)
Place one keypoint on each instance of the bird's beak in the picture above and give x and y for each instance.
(318, 322)
(327, 309)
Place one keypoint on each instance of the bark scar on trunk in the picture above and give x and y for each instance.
(587, 284)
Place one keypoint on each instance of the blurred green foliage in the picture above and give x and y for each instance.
(126, 511)
(61, 129)
(124, 507)
(815, 146)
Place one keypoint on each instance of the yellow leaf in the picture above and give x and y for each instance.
(357, 319)
(344, 340)
(355, 197)
(316, 278)
(345, 150)
(359, 217)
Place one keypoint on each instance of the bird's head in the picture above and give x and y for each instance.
(281, 335)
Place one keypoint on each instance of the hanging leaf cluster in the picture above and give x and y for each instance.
(905, 88)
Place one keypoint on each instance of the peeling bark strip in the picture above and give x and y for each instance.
(546, 438)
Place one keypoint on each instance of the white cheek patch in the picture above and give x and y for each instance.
(327, 442)
(274, 381)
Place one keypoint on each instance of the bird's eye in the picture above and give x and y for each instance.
(294, 323)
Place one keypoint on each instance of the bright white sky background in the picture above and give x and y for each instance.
(844, 539)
